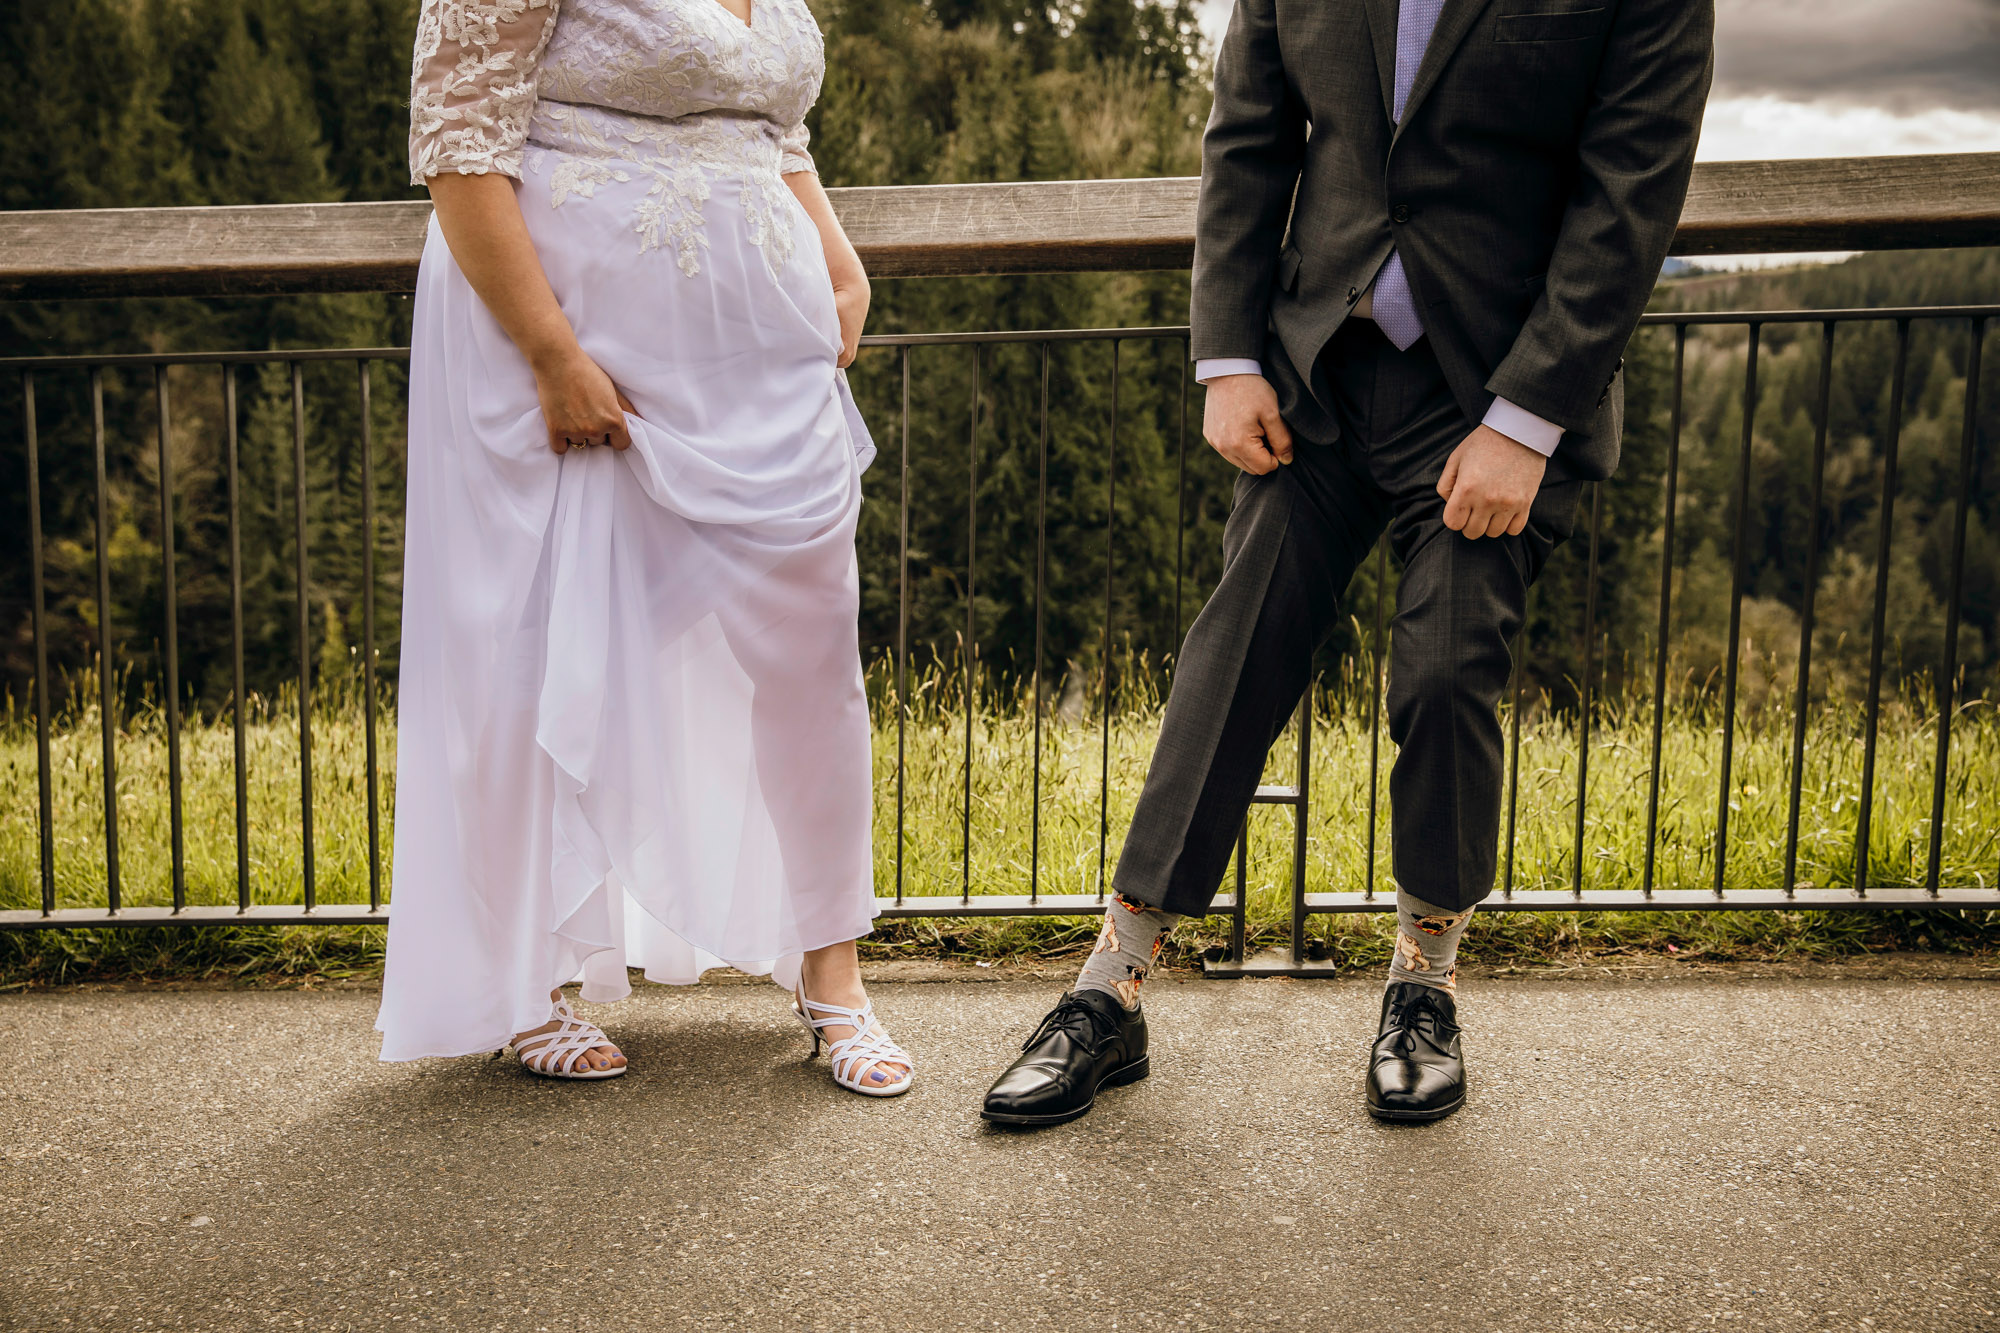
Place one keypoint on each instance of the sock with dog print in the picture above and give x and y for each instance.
(1426, 943)
(1126, 948)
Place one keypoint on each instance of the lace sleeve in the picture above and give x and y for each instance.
(792, 154)
(472, 84)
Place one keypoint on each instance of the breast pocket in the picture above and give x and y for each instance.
(1549, 25)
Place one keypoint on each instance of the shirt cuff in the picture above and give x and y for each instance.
(1516, 423)
(1216, 367)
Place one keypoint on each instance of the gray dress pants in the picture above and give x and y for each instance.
(1294, 539)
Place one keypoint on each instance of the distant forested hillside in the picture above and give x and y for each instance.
(1861, 409)
(173, 102)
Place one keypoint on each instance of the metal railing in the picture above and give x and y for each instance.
(1786, 894)
(1783, 893)
(1076, 226)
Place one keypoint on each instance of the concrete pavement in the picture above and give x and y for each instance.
(1809, 1148)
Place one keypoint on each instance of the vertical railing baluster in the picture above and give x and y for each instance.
(107, 707)
(1735, 607)
(1375, 710)
(172, 639)
(1514, 758)
(44, 772)
(231, 466)
(902, 618)
(305, 635)
(1967, 440)
(368, 637)
(1802, 685)
(1239, 910)
(1180, 507)
(1584, 689)
(971, 655)
(1041, 576)
(1666, 609)
(1299, 818)
(1879, 628)
(1104, 650)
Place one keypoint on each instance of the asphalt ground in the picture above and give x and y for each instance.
(1775, 1148)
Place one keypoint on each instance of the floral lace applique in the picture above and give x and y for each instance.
(679, 160)
(472, 84)
(677, 93)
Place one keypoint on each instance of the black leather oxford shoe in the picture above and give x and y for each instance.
(1088, 1041)
(1416, 1071)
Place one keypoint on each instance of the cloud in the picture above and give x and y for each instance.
(1906, 56)
(1771, 126)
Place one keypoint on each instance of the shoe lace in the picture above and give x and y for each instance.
(1073, 1014)
(1409, 1010)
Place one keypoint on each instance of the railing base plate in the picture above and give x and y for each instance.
(1270, 963)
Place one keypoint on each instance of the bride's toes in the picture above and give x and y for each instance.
(863, 1056)
(568, 1047)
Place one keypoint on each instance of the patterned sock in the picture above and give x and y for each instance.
(1126, 948)
(1426, 943)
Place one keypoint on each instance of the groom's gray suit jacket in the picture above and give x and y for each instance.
(1532, 187)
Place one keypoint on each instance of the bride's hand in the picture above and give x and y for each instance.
(850, 301)
(580, 403)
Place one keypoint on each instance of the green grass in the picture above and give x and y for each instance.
(1070, 856)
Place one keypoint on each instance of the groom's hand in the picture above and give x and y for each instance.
(1241, 423)
(1489, 484)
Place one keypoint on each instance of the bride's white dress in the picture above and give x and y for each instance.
(632, 725)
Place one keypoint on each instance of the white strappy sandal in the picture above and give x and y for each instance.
(559, 1052)
(852, 1057)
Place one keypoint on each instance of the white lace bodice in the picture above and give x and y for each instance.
(667, 92)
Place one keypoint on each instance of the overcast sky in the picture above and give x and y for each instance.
(1838, 78)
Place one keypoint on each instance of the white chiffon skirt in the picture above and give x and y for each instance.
(632, 729)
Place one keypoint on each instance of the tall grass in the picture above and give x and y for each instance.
(1089, 750)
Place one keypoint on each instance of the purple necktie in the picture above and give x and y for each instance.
(1395, 304)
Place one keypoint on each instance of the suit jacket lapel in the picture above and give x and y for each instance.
(1381, 16)
(1453, 24)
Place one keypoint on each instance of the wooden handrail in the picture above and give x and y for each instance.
(1856, 203)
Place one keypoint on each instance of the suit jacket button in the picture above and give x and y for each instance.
(1353, 295)
(1401, 213)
